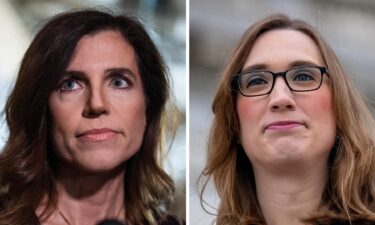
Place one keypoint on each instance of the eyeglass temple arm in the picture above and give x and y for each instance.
(234, 83)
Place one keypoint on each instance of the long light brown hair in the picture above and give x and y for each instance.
(27, 161)
(349, 195)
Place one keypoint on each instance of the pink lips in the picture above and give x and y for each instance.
(283, 125)
(97, 134)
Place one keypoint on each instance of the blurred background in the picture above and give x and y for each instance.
(164, 20)
(217, 25)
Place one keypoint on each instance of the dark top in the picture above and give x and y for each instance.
(169, 220)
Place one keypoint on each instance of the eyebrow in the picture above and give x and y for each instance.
(121, 70)
(264, 66)
(83, 76)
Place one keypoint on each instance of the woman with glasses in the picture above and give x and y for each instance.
(292, 141)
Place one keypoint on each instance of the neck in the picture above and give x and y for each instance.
(287, 198)
(87, 198)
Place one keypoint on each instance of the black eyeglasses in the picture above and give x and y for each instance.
(300, 79)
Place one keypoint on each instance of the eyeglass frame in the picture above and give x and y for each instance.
(235, 80)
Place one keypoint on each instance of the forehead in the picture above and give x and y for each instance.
(279, 49)
(98, 53)
(104, 48)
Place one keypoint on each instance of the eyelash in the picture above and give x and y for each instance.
(123, 78)
(63, 82)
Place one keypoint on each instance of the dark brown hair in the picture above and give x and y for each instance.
(349, 196)
(26, 163)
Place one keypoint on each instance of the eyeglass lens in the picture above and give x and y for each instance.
(298, 79)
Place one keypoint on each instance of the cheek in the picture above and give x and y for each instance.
(64, 114)
(65, 118)
(321, 106)
(132, 115)
(244, 112)
(320, 111)
(249, 113)
(131, 111)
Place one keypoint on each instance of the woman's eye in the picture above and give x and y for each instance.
(256, 81)
(303, 77)
(120, 82)
(70, 85)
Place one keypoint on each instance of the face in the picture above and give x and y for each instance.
(284, 127)
(98, 110)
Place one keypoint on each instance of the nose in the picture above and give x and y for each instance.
(97, 104)
(281, 97)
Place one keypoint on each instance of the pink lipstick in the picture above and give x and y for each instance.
(283, 125)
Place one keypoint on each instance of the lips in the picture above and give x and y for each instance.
(284, 125)
(97, 134)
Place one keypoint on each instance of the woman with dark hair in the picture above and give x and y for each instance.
(292, 141)
(86, 122)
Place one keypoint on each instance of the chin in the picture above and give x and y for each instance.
(285, 152)
(288, 159)
(100, 163)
